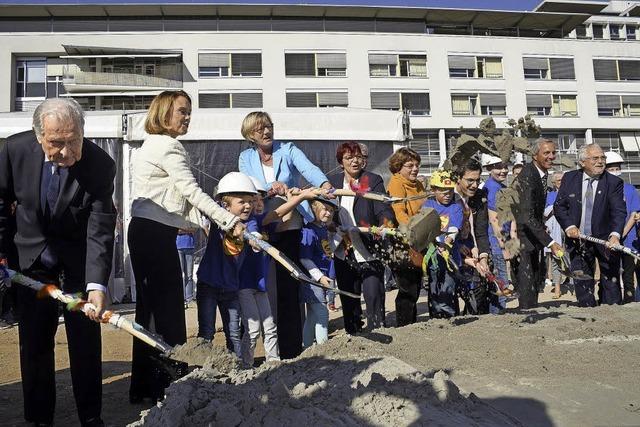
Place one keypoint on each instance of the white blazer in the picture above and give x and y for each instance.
(165, 190)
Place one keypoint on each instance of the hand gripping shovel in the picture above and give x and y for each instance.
(293, 269)
(563, 265)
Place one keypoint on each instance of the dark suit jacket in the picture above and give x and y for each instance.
(480, 213)
(368, 212)
(609, 209)
(530, 212)
(81, 229)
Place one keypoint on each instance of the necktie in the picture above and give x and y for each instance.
(545, 186)
(588, 207)
(54, 186)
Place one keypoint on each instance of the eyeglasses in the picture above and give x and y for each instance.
(352, 158)
(411, 165)
(263, 128)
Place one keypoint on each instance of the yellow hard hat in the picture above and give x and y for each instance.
(442, 179)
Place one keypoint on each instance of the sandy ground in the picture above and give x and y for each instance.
(557, 365)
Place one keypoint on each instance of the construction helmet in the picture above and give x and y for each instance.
(518, 159)
(488, 160)
(256, 183)
(236, 182)
(442, 179)
(613, 158)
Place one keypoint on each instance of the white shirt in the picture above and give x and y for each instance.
(269, 173)
(348, 220)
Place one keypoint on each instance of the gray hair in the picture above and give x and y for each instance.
(65, 109)
(582, 151)
(538, 143)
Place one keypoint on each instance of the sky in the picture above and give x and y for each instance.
(465, 4)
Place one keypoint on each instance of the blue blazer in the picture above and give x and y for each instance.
(289, 165)
(609, 210)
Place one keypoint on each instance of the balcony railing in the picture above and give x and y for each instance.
(124, 78)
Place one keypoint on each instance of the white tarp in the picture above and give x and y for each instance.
(98, 124)
(306, 124)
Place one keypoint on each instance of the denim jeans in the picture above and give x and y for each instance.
(443, 298)
(186, 264)
(316, 324)
(497, 304)
(208, 298)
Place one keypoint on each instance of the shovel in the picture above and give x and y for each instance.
(563, 266)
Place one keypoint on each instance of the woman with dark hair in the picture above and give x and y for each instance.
(358, 272)
(166, 198)
(404, 164)
(279, 166)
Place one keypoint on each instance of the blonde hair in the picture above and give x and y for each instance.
(157, 122)
(252, 120)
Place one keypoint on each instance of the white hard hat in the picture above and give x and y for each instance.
(236, 182)
(256, 183)
(488, 160)
(518, 159)
(613, 158)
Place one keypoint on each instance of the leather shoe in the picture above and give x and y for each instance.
(93, 422)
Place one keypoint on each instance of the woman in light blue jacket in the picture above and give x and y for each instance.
(279, 166)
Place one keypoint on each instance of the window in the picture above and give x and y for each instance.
(55, 88)
(614, 32)
(538, 104)
(31, 76)
(631, 32)
(413, 65)
(536, 68)
(230, 64)
(464, 105)
(598, 31)
(427, 144)
(316, 64)
(490, 67)
(616, 69)
(382, 70)
(484, 67)
(316, 99)
(631, 105)
(564, 106)
(609, 105)
(462, 66)
(230, 100)
(415, 103)
(581, 32)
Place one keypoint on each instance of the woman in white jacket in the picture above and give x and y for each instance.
(166, 197)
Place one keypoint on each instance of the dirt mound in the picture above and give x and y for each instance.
(334, 384)
(201, 352)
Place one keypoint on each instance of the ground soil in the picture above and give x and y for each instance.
(556, 365)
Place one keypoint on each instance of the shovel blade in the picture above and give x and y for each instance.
(422, 229)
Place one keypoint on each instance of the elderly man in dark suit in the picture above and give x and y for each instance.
(590, 201)
(531, 185)
(65, 219)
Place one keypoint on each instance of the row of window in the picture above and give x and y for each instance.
(418, 103)
(411, 65)
(608, 31)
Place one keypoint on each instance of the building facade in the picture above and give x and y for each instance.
(573, 65)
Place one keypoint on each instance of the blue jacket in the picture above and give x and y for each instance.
(632, 200)
(289, 165)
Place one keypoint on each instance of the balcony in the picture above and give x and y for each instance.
(76, 80)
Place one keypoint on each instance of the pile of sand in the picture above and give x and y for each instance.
(338, 383)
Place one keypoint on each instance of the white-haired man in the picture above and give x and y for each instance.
(65, 220)
(590, 202)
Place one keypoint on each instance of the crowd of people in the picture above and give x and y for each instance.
(58, 228)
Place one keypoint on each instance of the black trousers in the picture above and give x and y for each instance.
(583, 257)
(159, 301)
(409, 281)
(529, 270)
(36, 330)
(289, 317)
(368, 280)
(629, 270)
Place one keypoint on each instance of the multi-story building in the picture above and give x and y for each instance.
(574, 65)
